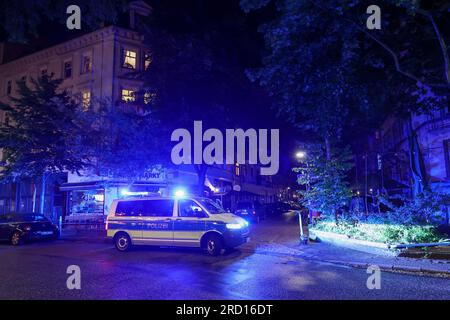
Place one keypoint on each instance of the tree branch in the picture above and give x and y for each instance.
(442, 44)
(398, 67)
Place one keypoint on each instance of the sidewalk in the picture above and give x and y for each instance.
(95, 235)
(281, 238)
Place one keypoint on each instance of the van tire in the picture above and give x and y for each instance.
(214, 244)
(122, 241)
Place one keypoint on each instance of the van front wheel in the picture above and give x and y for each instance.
(122, 242)
(214, 245)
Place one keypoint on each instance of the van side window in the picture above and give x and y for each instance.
(129, 208)
(157, 208)
(188, 208)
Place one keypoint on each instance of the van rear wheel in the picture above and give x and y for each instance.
(122, 242)
(214, 245)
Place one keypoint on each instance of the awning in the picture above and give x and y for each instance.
(90, 185)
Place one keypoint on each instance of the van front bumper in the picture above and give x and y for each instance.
(236, 238)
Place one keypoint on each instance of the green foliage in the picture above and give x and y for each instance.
(324, 180)
(126, 144)
(21, 19)
(43, 134)
(382, 232)
(426, 208)
(415, 221)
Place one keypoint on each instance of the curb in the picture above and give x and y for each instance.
(395, 269)
(355, 244)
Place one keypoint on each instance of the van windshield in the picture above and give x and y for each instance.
(212, 206)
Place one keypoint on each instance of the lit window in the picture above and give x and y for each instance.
(86, 63)
(128, 95)
(129, 59)
(86, 99)
(147, 60)
(9, 87)
(149, 97)
(67, 69)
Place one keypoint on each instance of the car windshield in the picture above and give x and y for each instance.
(212, 206)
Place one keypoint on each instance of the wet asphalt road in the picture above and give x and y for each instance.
(38, 271)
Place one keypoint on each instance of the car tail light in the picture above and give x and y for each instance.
(27, 228)
(106, 226)
(254, 211)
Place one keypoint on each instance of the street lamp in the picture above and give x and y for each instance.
(301, 155)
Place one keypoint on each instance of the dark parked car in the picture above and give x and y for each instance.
(18, 228)
(278, 208)
(250, 210)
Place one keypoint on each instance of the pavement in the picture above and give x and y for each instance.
(271, 266)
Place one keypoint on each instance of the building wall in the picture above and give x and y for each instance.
(105, 81)
(107, 76)
(433, 133)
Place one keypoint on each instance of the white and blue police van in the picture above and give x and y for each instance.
(172, 221)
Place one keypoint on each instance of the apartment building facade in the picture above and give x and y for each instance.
(107, 64)
(386, 164)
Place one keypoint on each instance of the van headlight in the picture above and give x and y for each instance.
(234, 226)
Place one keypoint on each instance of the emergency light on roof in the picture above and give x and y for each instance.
(179, 193)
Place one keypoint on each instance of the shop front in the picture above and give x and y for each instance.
(87, 201)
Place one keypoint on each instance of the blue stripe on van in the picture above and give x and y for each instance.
(162, 225)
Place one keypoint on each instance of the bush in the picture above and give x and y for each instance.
(382, 232)
(424, 209)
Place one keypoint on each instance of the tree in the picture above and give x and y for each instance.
(326, 189)
(194, 74)
(329, 73)
(43, 136)
(23, 20)
(126, 143)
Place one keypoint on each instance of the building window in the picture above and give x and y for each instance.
(149, 97)
(9, 87)
(86, 63)
(128, 95)
(147, 60)
(86, 99)
(67, 69)
(129, 59)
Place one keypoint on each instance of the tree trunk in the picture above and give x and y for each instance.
(201, 174)
(17, 196)
(417, 164)
(33, 185)
(334, 212)
(43, 187)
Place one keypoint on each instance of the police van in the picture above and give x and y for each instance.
(172, 221)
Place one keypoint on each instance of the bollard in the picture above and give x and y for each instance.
(303, 236)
